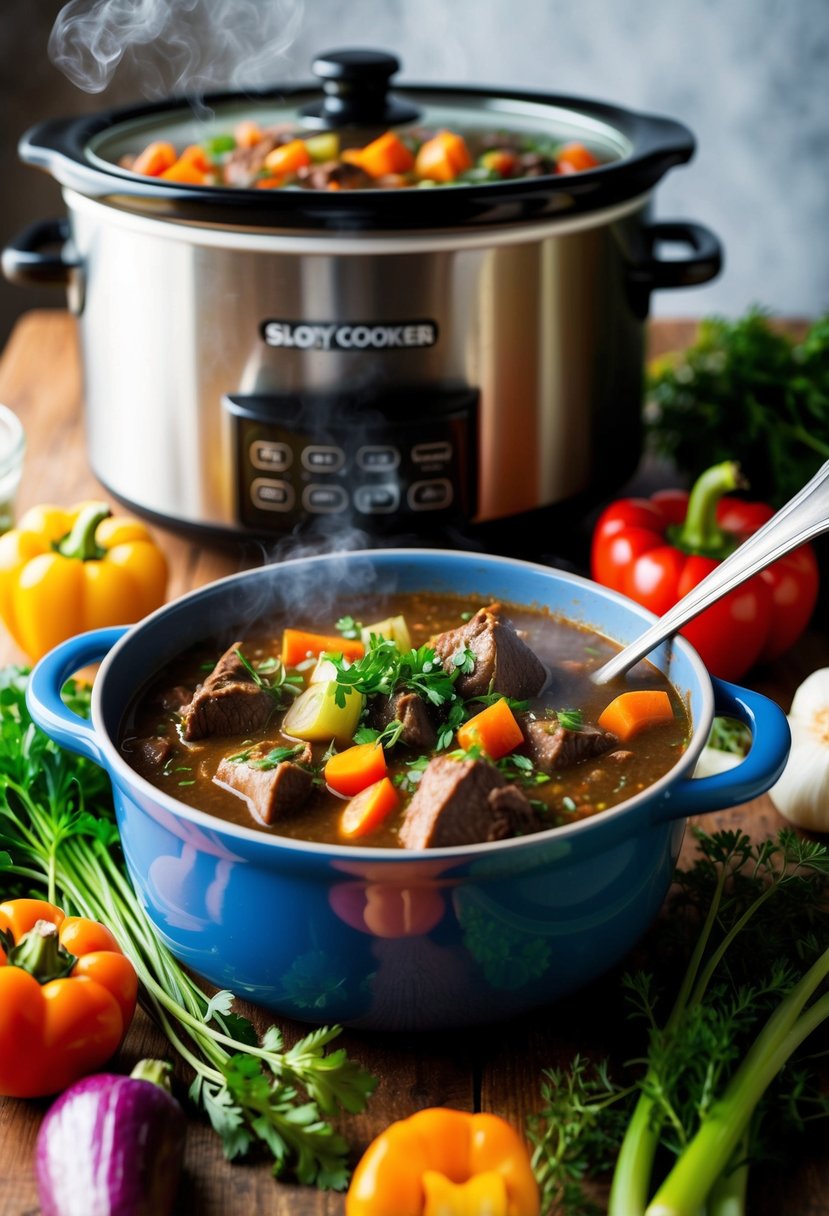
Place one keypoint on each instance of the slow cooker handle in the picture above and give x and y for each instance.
(703, 263)
(32, 256)
(48, 677)
(770, 744)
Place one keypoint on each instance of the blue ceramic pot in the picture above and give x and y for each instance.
(380, 937)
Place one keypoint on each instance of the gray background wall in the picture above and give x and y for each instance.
(749, 77)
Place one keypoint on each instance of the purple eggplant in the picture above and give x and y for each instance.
(112, 1146)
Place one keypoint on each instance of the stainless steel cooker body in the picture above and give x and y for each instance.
(243, 379)
(392, 360)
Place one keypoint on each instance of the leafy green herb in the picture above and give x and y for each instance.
(570, 719)
(409, 780)
(746, 379)
(348, 627)
(59, 840)
(272, 759)
(272, 677)
(516, 767)
(385, 669)
(729, 735)
(721, 1076)
(387, 738)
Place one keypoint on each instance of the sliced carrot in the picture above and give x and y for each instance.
(155, 158)
(367, 810)
(298, 645)
(287, 158)
(631, 712)
(575, 158)
(247, 134)
(191, 167)
(384, 155)
(443, 157)
(350, 771)
(494, 730)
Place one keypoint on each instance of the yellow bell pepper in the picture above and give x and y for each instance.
(443, 1162)
(66, 570)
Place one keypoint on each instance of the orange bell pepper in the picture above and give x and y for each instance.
(443, 1162)
(67, 997)
(63, 571)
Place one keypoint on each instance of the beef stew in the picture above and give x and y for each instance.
(439, 723)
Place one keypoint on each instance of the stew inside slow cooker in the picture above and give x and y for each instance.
(414, 721)
(273, 157)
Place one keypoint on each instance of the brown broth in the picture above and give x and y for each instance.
(570, 651)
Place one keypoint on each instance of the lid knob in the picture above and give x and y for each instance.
(355, 85)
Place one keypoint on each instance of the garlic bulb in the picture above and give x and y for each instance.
(802, 792)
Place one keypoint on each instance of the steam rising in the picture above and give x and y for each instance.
(177, 46)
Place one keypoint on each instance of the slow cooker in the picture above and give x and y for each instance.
(396, 360)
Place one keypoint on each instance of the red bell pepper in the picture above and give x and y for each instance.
(656, 549)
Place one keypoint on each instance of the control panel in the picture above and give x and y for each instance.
(401, 460)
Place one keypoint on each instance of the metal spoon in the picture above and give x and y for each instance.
(804, 516)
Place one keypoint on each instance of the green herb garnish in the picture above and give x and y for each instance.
(272, 676)
(348, 627)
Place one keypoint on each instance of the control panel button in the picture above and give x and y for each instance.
(376, 500)
(268, 494)
(378, 458)
(430, 495)
(322, 500)
(321, 458)
(427, 453)
(270, 455)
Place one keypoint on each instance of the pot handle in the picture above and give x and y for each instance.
(48, 677)
(703, 264)
(770, 743)
(32, 256)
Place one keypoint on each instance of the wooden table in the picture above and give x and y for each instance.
(495, 1069)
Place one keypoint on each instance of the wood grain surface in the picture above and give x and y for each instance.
(495, 1068)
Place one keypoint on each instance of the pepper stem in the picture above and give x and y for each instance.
(80, 543)
(40, 953)
(156, 1071)
(700, 533)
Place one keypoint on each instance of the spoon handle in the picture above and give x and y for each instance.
(803, 516)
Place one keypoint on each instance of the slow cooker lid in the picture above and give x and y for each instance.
(91, 154)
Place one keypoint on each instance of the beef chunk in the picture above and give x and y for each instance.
(552, 746)
(334, 172)
(407, 707)
(502, 659)
(153, 752)
(244, 165)
(271, 793)
(464, 802)
(173, 698)
(229, 702)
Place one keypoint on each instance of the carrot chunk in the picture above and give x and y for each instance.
(575, 158)
(287, 158)
(384, 155)
(494, 730)
(367, 810)
(350, 771)
(155, 158)
(631, 712)
(298, 645)
(247, 134)
(443, 157)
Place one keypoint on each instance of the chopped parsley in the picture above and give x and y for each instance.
(272, 759)
(272, 676)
